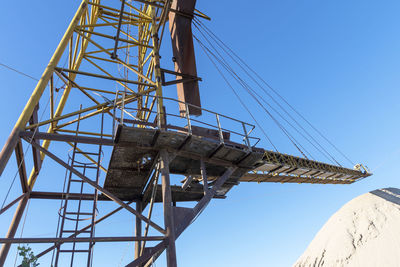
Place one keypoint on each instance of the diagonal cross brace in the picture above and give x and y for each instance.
(56, 245)
(191, 216)
(156, 250)
(101, 189)
(201, 205)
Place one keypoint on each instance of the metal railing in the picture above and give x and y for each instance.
(227, 129)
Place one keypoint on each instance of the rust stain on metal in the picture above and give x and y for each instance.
(180, 26)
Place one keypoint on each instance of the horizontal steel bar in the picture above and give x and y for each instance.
(68, 138)
(76, 231)
(182, 102)
(113, 38)
(60, 195)
(74, 250)
(103, 76)
(80, 239)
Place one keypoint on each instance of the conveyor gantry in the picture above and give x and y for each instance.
(284, 168)
(136, 150)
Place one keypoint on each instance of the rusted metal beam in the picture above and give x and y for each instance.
(12, 203)
(200, 206)
(19, 154)
(138, 230)
(150, 252)
(13, 228)
(184, 56)
(37, 161)
(204, 201)
(8, 148)
(167, 204)
(60, 195)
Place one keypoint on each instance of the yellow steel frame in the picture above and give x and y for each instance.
(86, 29)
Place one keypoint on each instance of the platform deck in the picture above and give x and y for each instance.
(136, 149)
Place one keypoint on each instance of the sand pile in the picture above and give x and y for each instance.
(364, 232)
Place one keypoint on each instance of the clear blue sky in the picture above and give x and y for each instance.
(337, 62)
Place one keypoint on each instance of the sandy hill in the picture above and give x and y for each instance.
(364, 232)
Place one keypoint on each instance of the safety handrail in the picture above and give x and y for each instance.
(250, 141)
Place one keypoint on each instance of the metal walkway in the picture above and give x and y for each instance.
(282, 168)
(136, 149)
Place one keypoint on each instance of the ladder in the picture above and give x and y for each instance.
(79, 208)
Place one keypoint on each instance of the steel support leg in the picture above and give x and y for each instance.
(138, 229)
(13, 228)
(168, 214)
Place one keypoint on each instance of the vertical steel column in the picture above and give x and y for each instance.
(204, 176)
(168, 213)
(138, 229)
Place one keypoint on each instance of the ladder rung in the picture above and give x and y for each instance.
(84, 166)
(87, 153)
(77, 181)
(79, 213)
(76, 250)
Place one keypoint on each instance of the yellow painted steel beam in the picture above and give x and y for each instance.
(108, 49)
(142, 15)
(112, 37)
(156, 59)
(64, 97)
(73, 84)
(139, 11)
(102, 24)
(115, 16)
(108, 74)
